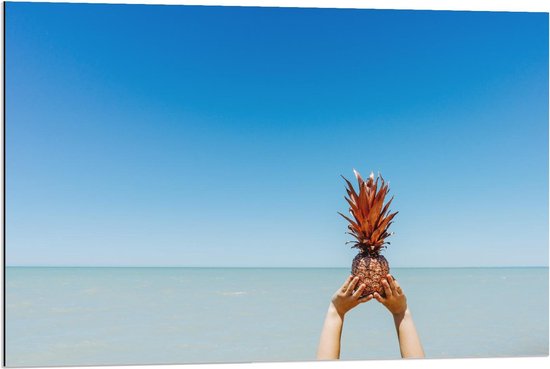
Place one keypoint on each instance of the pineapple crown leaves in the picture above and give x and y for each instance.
(371, 218)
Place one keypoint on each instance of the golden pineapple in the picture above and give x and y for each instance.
(370, 229)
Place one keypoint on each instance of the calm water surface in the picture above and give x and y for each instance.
(117, 316)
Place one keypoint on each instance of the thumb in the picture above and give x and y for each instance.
(378, 297)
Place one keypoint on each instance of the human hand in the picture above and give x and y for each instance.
(395, 300)
(345, 299)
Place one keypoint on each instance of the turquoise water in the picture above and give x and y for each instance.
(115, 316)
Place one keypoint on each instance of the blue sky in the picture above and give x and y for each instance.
(216, 136)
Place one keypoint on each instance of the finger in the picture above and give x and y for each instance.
(359, 291)
(387, 289)
(366, 298)
(346, 283)
(352, 285)
(391, 282)
(397, 287)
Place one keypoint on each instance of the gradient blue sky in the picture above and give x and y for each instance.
(216, 136)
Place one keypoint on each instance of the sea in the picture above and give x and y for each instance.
(76, 316)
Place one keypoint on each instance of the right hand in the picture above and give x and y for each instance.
(395, 300)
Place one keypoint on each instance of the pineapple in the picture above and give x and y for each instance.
(369, 226)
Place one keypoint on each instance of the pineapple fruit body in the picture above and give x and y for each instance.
(370, 269)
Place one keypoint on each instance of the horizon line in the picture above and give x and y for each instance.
(268, 267)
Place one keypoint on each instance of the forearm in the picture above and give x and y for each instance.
(329, 344)
(409, 342)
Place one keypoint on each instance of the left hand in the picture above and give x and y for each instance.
(345, 299)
